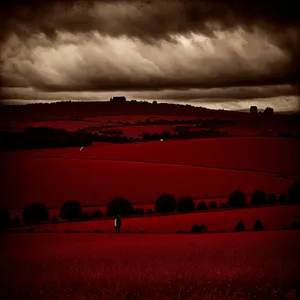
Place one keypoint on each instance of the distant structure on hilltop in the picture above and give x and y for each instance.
(253, 109)
(119, 99)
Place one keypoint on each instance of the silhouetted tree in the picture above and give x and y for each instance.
(54, 219)
(149, 211)
(272, 198)
(195, 229)
(87, 215)
(71, 210)
(253, 109)
(203, 227)
(295, 225)
(259, 197)
(282, 198)
(165, 203)
(97, 214)
(202, 206)
(4, 219)
(294, 192)
(119, 206)
(36, 212)
(185, 204)
(139, 211)
(269, 111)
(154, 102)
(237, 199)
(258, 226)
(224, 205)
(213, 205)
(240, 226)
(16, 221)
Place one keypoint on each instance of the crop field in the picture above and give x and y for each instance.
(252, 265)
(95, 182)
(272, 218)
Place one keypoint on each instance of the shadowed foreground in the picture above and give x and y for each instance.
(88, 266)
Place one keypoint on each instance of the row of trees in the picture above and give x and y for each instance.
(166, 203)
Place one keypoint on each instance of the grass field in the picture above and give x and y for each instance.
(273, 217)
(252, 265)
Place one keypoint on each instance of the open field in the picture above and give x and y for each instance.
(273, 217)
(95, 182)
(89, 266)
(143, 171)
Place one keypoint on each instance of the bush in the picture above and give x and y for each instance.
(237, 199)
(282, 198)
(185, 204)
(67, 231)
(29, 229)
(97, 214)
(223, 205)
(259, 197)
(54, 219)
(16, 221)
(213, 205)
(36, 212)
(272, 198)
(71, 210)
(97, 231)
(86, 215)
(149, 211)
(294, 192)
(139, 211)
(165, 203)
(195, 229)
(4, 219)
(202, 206)
(295, 225)
(240, 226)
(203, 227)
(119, 206)
(258, 226)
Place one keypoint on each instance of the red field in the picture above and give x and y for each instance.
(91, 266)
(143, 171)
(273, 217)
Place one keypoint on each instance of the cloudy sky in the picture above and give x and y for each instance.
(218, 54)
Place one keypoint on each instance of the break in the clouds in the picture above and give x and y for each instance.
(225, 54)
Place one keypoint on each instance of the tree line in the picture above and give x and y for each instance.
(165, 203)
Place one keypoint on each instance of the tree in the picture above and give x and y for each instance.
(16, 221)
(195, 229)
(165, 203)
(258, 226)
(223, 205)
(36, 212)
(213, 205)
(97, 214)
(294, 192)
(4, 219)
(71, 210)
(202, 206)
(54, 219)
(272, 198)
(259, 197)
(185, 204)
(237, 199)
(269, 111)
(87, 215)
(240, 226)
(139, 211)
(119, 206)
(282, 198)
(149, 211)
(253, 109)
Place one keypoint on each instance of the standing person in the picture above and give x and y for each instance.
(118, 223)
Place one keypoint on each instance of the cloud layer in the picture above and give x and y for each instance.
(203, 51)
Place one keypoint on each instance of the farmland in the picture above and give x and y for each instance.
(250, 265)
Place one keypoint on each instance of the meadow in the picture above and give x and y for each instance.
(251, 265)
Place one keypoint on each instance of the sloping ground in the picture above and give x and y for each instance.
(278, 155)
(273, 217)
(82, 266)
(95, 182)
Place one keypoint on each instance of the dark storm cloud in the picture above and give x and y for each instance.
(29, 26)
